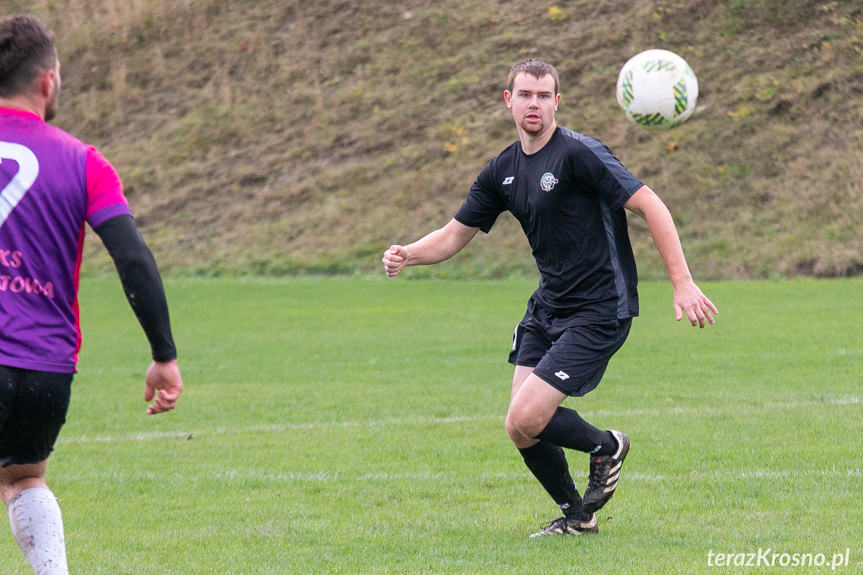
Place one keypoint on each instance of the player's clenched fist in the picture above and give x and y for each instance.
(394, 260)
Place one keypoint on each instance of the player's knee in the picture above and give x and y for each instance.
(511, 430)
(521, 424)
(16, 478)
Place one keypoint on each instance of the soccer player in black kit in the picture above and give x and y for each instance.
(569, 192)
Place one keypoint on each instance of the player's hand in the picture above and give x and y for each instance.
(395, 259)
(689, 300)
(165, 384)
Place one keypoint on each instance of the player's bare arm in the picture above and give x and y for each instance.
(432, 248)
(688, 298)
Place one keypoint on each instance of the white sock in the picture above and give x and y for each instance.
(38, 528)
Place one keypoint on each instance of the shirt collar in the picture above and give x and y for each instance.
(19, 112)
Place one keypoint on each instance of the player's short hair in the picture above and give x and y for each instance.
(26, 50)
(537, 69)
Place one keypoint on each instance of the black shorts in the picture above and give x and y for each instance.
(33, 406)
(566, 353)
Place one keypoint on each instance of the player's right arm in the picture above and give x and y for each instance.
(435, 247)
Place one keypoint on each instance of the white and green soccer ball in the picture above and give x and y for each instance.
(657, 89)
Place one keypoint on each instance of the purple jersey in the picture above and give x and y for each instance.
(50, 184)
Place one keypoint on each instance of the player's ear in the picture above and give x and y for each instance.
(47, 85)
(507, 97)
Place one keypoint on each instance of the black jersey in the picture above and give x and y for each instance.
(569, 200)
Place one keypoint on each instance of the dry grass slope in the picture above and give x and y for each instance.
(286, 137)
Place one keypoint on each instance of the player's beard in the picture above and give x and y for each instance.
(51, 106)
(532, 129)
(535, 129)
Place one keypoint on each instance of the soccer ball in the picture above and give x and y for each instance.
(657, 89)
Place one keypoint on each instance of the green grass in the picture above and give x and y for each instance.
(356, 426)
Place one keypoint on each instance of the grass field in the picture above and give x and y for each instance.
(356, 426)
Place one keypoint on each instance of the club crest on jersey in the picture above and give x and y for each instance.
(547, 182)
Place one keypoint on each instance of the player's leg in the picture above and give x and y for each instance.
(544, 459)
(552, 363)
(531, 407)
(536, 413)
(35, 517)
(17, 478)
(608, 448)
(519, 376)
(529, 347)
(32, 410)
(575, 365)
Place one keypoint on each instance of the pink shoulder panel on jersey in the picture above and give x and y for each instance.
(105, 199)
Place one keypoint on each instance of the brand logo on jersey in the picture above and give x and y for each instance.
(507, 181)
(547, 182)
(562, 374)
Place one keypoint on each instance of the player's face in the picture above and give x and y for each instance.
(533, 102)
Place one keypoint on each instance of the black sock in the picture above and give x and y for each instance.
(548, 464)
(609, 446)
(567, 429)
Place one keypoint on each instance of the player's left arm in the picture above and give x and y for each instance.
(109, 215)
(688, 297)
(145, 293)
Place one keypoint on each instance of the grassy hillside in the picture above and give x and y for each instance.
(287, 136)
